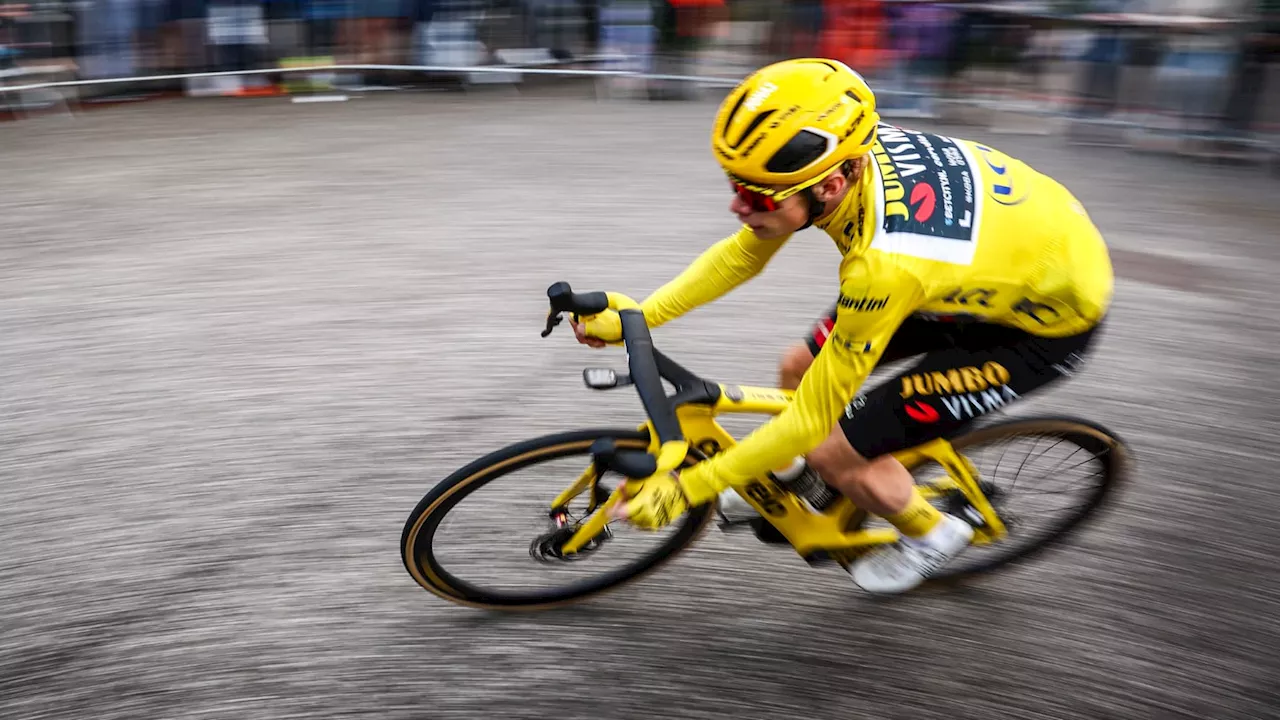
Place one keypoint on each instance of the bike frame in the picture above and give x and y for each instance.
(835, 534)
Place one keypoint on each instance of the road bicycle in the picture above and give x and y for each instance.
(571, 529)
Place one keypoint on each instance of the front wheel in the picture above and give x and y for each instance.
(507, 525)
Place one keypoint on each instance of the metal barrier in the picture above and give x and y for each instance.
(1014, 66)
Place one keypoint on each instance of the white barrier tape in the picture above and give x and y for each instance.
(505, 69)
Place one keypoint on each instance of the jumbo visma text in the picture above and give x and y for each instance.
(956, 380)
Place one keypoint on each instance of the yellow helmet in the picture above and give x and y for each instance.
(793, 122)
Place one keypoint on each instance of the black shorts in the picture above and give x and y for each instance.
(968, 370)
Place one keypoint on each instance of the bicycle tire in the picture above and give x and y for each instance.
(419, 529)
(1110, 450)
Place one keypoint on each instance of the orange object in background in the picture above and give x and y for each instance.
(855, 33)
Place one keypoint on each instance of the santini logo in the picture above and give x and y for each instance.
(863, 304)
(757, 98)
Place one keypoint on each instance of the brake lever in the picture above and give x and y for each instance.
(554, 318)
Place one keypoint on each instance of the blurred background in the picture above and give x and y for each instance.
(248, 320)
(1197, 71)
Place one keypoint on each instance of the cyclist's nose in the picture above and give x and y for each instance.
(739, 207)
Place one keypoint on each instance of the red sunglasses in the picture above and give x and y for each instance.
(758, 202)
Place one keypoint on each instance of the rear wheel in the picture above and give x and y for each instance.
(507, 497)
(1043, 476)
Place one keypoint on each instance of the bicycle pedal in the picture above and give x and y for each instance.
(726, 524)
(959, 506)
(767, 533)
(971, 515)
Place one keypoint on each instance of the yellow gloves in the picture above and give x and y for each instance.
(658, 499)
(606, 326)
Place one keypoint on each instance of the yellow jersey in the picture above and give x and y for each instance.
(935, 226)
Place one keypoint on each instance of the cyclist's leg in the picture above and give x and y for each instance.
(914, 337)
(869, 476)
(797, 359)
(940, 396)
(989, 367)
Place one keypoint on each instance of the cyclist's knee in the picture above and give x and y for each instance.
(836, 460)
(795, 362)
(880, 485)
(868, 482)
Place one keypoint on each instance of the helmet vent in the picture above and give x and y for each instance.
(752, 128)
(728, 119)
(798, 153)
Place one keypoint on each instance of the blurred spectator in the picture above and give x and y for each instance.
(1260, 47)
(804, 23)
(9, 13)
(906, 46)
(285, 36)
(856, 32)
(683, 26)
(326, 28)
(1193, 75)
(107, 32)
(375, 39)
(184, 33)
(920, 34)
(1098, 93)
(983, 36)
(238, 33)
(147, 38)
(418, 17)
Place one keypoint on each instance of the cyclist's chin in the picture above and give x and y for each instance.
(770, 231)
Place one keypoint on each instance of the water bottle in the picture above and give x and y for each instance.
(804, 482)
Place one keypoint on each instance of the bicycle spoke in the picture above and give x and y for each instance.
(1091, 457)
(1071, 489)
(1024, 463)
(1052, 487)
(995, 472)
(1032, 513)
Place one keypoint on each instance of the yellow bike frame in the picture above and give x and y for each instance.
(837, 533)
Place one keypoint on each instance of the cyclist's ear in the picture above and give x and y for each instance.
(830, 188)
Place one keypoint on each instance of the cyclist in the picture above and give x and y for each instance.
(950, 249)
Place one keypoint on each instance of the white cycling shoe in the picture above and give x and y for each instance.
(904, 565)
(733, 509)
(889, 570)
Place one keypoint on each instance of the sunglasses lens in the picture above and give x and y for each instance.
(756, 201)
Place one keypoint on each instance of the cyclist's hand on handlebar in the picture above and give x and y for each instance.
(659, 499)
(579, 331)
(651, 503)
(598, 330)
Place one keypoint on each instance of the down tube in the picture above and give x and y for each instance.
(705, 434)
(781, 508)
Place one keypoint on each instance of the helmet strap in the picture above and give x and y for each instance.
(815, 207)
